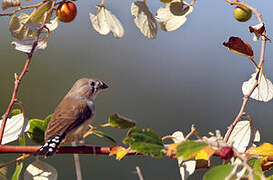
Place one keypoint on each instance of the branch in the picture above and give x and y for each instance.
(22, 8)
(86, 149)
(261, 62)
(24, 71)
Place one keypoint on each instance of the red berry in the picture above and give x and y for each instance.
(226, 152)
(66, 11)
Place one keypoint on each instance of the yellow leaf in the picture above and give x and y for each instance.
(205, 153)
(119, 151)
(265, 149)
(171, 151)
(122, 154)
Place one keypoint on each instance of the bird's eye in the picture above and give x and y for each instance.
(92, 83)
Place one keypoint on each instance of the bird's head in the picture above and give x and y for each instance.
(87, 88)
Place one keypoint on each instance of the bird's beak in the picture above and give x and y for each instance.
(103, 86)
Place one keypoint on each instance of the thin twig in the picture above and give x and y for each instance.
(245, 164)
(77, 163)
(22, 8)
(139, 173)
(261, 62)
(24, 71)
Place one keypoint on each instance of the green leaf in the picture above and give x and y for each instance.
(256, 164)
(218, 172)
(37, 129)
(15, 112)
(187, 149)
(145, 141)
(103, 135)
(16, 174)
(116, 121)
(38, 16)
(269, 177)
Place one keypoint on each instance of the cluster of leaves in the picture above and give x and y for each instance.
(24, 27)
(191, 154)
(264, 90)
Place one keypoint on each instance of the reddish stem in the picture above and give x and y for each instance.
(24, 71)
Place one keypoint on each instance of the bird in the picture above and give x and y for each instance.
(71, 118)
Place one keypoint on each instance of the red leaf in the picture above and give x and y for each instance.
(257, 30)
(237, 45)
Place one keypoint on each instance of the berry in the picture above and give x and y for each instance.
(66, 11)
(226, 152)
(242, 14)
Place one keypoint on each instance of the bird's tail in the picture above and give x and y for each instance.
(50, 147)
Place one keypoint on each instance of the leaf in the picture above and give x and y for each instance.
(15, 112)
(266, 165)
(265, 149)
(3, 173)
(17, 172)
(51, 25)
(218, 172)
(171, 150)
(264, 91)
(173, 15)
(15, 126)
(116, 121)
(9, 3)
(257, 166)
(26, 44)
(98, 22)
(103, 135)
(256, 163)
(187, 149)
(241, 135)
(17, 26)
(144, 19)
(145, 141)
(203, 157)
(105, 22)
(40, 170)
(186, 168)
(258, 30)
(119, 151)
(37, 129)
(114, 24)
(178, 137)
(237, 45)
(37, 17)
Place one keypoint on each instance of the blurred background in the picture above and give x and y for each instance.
(181, 78)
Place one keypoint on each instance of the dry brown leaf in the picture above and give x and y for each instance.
(237, 45)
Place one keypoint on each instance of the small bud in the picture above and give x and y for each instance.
(226, 152)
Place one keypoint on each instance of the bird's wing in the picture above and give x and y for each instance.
(69, 114)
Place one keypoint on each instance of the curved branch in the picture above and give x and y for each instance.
(261, 62)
